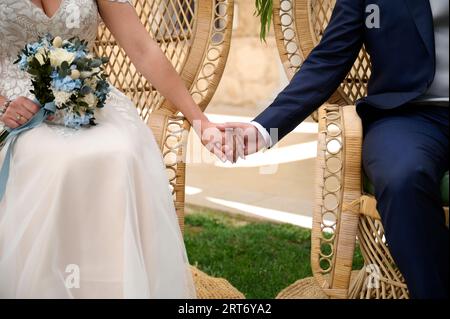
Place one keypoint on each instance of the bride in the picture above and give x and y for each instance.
(88, 213)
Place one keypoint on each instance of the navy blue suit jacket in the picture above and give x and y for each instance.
(402, 53)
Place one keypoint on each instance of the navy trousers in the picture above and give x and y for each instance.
(405, 155)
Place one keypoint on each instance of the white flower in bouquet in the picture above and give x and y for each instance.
(91, 82)
(59, 55)
(57, 42)
(75, 74)
(61, 98)
(41, 55)
(88, 74)
(91, 100)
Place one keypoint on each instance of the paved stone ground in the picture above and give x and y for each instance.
(276, 185)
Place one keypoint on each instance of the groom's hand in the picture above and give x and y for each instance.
(248, 140)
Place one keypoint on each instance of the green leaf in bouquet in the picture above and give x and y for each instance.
(65, 65)
(48, 69)
(83, 104)
(96, 63)
(33, 71)
(82, 64)
(64, 69)
(34, 64)
(19, 57)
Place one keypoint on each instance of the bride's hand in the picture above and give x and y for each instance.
(211, 137)
(19, 112)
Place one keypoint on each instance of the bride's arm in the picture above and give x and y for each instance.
(124, 23)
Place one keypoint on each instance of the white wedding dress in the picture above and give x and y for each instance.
(91, 206)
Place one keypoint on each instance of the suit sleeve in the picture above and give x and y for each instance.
(321, 73)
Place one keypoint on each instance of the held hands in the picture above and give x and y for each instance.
(230, 141)
(242, 139)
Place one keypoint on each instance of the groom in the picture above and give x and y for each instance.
(405, 120)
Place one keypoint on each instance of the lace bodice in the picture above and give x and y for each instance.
(21, 21)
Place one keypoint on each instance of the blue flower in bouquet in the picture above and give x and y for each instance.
(30, 51)
(47, 40)
(34, 47)
(76, 121)
(66, 84)
(23, 62)
(69, 48)
(80, 54)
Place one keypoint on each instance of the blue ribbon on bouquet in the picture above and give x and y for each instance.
(38, 119)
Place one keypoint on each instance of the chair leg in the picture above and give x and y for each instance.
(380, 278)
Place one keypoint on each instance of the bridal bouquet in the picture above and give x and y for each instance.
(66, 73)
(65, 76)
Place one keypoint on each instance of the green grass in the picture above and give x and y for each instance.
(258, 258)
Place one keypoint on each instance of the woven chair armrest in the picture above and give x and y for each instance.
(338, 190)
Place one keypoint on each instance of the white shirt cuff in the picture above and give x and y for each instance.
(264, 133)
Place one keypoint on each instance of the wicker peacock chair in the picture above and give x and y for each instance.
(195, 35)
(345, 208)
